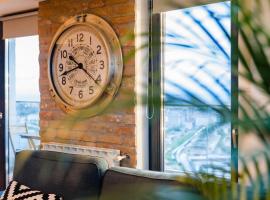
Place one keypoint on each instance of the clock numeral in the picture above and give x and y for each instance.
(70, 43)
(71, 89)
(91, 90)
(80, 94)
(80, 37)
(61, 67)
(63, 54)
(98, 80)
(101, 64)
(64, 80)
(98, 49)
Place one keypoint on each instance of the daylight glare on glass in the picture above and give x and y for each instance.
(197, 79)
(27, 69)
(24, 95)
(27, 82)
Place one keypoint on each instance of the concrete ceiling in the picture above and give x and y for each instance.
(8, 7)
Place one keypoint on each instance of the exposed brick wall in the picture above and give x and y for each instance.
(115, 129)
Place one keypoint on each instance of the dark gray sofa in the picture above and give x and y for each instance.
(83, 177)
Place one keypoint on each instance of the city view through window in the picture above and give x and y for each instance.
(197, 89)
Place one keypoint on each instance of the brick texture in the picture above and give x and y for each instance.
(115, 128)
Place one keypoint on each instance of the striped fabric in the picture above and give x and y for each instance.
(16, 191)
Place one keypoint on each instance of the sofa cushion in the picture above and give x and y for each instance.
(133, 184)
(17, 191)
(70, 176)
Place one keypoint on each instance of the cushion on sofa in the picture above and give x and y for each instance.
(124, 183)
(70, 176)
(17, 191)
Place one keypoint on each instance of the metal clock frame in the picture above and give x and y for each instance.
(115, 62)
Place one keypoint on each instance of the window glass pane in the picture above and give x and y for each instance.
(24, 96)
(27, 69)
(197, 88)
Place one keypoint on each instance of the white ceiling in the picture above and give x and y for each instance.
(164, 5)
(8, 7)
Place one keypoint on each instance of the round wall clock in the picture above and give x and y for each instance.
(85, 65)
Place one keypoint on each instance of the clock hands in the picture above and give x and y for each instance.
(67, 72)
(90, 76)
(73, 59)
(80, 66)
(96, 82)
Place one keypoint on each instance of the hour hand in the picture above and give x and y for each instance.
(73, 59)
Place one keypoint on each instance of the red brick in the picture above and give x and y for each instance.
(115, 128)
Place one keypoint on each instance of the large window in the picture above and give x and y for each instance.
(195, 73)
(23, 96)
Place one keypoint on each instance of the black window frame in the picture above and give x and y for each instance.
(2, 111)
(155, 62)
(154, 93)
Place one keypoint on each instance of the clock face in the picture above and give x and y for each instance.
(85, 65)
(79, 66)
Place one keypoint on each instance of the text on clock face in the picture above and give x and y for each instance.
(80, 65)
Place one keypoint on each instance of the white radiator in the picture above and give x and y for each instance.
(112, 156)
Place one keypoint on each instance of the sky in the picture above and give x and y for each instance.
(27, 68)
(193, 60)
